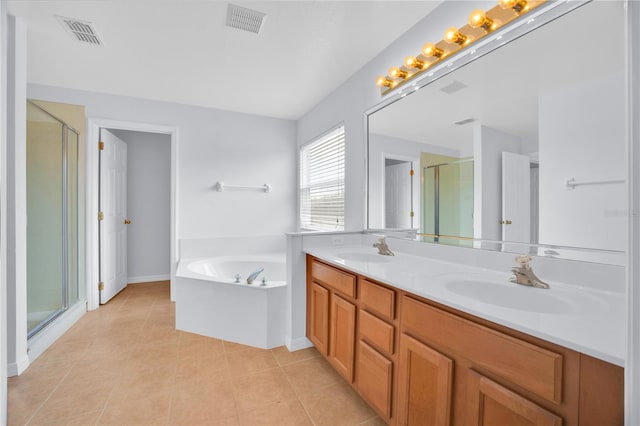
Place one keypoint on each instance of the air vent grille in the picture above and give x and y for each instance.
(465, 121)
(244, 19)
(82, 31)
(454, 87)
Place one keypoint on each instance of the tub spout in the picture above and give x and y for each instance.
(254, 275)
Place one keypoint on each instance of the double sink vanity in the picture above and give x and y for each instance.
(431, 342)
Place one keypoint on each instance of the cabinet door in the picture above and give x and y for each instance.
(424, 384)
(489, 404)
(375, 378)
(318, 317)
(342, 336)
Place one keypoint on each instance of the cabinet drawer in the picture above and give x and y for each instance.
(339, 280)
(531, 367)
(376, 332)
(377, 298)
(375, 378)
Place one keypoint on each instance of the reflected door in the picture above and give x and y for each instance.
(516, 198)
(398, 192)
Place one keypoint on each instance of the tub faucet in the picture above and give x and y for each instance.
(523, 274)
(254, 275)
(383, 248)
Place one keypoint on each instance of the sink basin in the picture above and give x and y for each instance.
(364, 257)
(523, 298)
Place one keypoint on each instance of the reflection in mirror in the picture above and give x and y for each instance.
(495, 142)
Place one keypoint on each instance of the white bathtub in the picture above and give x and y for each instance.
(211, 303)
(224, 269)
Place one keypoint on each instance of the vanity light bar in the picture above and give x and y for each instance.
(480, 23)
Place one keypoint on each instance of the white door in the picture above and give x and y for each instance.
(113, 205)
(398, 196)
(516, 198)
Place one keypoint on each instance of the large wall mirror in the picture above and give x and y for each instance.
(525, 144)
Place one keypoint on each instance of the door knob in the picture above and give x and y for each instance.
(127, 222)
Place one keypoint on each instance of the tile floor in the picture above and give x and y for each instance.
(125, 364)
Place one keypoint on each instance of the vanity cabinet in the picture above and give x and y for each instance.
(417, 362)
(331, 315)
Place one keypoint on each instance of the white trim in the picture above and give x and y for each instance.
(52, 332)
(93, 132)
(148, 278)
(297, 344)
(632, 367)
(18, 367)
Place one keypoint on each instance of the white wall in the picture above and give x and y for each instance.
(213, 145)
(488, 146)
(148, 205)
(599, 143)
(16, 235)
(3, 213)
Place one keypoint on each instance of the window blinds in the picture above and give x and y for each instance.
(322, 183)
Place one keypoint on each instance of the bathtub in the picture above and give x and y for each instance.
(224, 269)
(210, 302)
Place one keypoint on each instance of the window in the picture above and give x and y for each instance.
(322, 183)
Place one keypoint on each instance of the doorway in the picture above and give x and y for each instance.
(93, 253)
(401, 192)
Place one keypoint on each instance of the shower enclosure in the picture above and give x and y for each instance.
(448, 199)
(52, 217)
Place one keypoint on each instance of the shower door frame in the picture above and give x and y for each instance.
(65, 221)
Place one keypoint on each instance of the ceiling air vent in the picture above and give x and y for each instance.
(453, 87)
(244, 19)
(465, 121)
(82, 31)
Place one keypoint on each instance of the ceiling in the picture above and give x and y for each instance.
(181, 51)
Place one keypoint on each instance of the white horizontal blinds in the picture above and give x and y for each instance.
(322, 183)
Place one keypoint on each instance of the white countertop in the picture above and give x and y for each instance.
(584, 319)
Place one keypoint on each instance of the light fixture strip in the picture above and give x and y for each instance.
(479, 24)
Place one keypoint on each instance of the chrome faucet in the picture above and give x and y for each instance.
(523, 274)
(383, 248)
(251, 278)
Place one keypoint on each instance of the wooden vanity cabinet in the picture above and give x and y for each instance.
(417, 362)
(331, 315)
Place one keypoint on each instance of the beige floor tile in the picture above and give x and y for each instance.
(84, 419)
(250, 361)
(338, 405)
(234, 347)
(202, 404)
(376, 421)
(284, 357)
(149, 410)
(202, 370)
(58, 408)
(310, 377)
(260, 389)
(285, 412)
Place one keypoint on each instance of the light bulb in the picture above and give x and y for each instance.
(430, 49)
(452, 35)
(413, 62)
(517, 5)
(383, 82)
(396, 72)
(479, 19)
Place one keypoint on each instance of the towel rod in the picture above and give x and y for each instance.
(221, 186)
(572, 183)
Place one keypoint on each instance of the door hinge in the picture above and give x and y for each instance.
(100, 216)
(100, 286)
(100, 146)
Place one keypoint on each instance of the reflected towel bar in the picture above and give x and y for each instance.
(221, 186)
(572, 183)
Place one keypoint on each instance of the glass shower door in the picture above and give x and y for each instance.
(52, 217)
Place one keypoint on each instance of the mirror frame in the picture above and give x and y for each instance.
(537, 18)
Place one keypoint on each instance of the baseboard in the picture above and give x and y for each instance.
(52, 332)
(18, 367)
(297, 344)
(148, 278)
